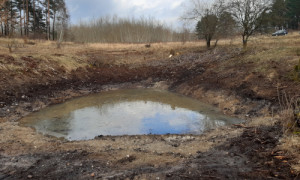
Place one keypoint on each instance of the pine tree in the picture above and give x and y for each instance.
(293, 13)
(31, 17)
(8, 17)
(278, 15)
(20, 8)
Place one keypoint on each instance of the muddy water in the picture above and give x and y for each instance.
(127, 112)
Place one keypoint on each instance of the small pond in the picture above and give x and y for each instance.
(127, 112)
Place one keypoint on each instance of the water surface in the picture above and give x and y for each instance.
(127, 112)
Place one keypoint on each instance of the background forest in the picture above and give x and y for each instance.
(49, 19)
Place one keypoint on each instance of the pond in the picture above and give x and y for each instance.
(127, 112)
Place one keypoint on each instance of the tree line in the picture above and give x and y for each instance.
(33, 18)
(223, 18)
(113, 29)
(285, 13)
(48, 19)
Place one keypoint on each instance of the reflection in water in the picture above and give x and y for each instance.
(127, 112)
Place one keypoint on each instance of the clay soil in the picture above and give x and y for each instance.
(227, 77)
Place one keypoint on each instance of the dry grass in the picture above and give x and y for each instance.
(285, 51)
(116, 52)
(45, 51)
(72, 53)
(44, 47)
(49, 47)
(266, 52)
(291, 144)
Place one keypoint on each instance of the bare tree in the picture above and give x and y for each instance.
(111, 29)
(195, 10)
(249, 15)
(212, 19)
(62, 23)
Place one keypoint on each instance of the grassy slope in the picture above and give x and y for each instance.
(270, 62)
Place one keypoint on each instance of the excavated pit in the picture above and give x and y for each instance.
(240, 151)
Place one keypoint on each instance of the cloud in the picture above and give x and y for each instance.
(167, 11)
(130, 118)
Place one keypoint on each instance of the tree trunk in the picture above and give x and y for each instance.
(21, 28)
(216, 43)
(48, 20)
(208, 42)
(11, 20)
(11, 29)
(34, 20)
(5, 29)
(1, 28)
(245, 44)
(6, 23)
(27, 19)
(24, 19)
(60, 38)
(53, 32)
(46, 14)
(245, 41)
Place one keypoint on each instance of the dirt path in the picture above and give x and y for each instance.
(247, 151)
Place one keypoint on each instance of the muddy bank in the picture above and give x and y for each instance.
(242, 151)
(229, 153)
(50, 88)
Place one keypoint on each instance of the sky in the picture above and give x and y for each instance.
(166, 11)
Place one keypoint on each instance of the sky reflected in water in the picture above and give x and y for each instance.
(127, 112)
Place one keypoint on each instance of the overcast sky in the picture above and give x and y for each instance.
(167, 11)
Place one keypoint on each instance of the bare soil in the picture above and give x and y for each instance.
(245, 151)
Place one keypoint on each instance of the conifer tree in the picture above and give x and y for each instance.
(293, 13)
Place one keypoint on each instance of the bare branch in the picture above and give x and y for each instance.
(194, 10)
(248, 14)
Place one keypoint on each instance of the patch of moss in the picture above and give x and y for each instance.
(296, 132)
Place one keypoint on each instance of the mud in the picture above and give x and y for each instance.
(246, 151)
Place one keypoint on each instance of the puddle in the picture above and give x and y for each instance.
(127, 112)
